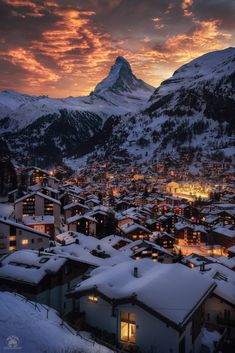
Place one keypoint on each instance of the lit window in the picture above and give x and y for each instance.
(12, 238)
(93, 299)
(25, 241)
(128, 327)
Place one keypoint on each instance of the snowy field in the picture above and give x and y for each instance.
(26, 329)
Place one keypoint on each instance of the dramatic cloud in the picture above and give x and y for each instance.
(185, 7)
(66, 47)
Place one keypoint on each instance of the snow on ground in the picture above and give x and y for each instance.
(28, 329)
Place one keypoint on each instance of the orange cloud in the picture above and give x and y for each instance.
(205, 37)
(185, 7)
(157, 64)
(33, 9)
(70, 52)
(27, 61)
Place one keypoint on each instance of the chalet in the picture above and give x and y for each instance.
(46, 190)
(210, 220)
(131, 303)
(187, 234)
(134, 231)
(141, 249)
(106, 222)
(224, 236)
(33, 175)
(84, 224)
(38, 204)
(42, 277)
(74, 209)
(220, 307)
(164, 240)
(122, 205)
(151, 224)
(44, 224)
(16, 236)
(71, 194)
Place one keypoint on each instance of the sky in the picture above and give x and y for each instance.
(64, 48)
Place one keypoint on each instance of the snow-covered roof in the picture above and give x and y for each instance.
(6, 210)
(46, 219)
(232, 249)
(78, 217)
(38, 194)
(224, 278)
(131, 227)
(225, 231)
(82, 250)
(171, 290)
(75, 204)
(23, 227)
(28, 266)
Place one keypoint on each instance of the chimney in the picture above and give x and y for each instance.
(136, 272)
(202, 267)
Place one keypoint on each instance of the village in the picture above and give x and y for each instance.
(132, 257)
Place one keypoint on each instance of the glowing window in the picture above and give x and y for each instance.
(93, 299)
(128, 327)
(25, 241)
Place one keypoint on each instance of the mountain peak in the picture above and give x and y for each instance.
(121, 79)
(121, 60)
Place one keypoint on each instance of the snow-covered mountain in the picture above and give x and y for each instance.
(191, 113)
(119, 93)
(206, 85)
(121, 80)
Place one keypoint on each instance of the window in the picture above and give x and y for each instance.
(93, 299)
(128, 327)
(39, 240)
(25, 241)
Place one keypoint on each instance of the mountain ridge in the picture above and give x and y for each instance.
(191, 111)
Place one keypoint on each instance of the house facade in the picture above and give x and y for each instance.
(145, 314)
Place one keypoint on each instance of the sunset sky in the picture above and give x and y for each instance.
(64, 48)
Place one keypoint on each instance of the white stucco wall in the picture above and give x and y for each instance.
(152, 334)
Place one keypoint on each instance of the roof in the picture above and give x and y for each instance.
(225, 231)
(172, 291)
(38, 219)
(39, 194)
(78, 217)
(224, 278)
(131, 227)
(232, 249)
(82, 249)
(27, 266)
(23, 227)
(75, 204)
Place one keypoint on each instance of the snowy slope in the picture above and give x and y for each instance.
(190, 113)
(120, 92)
(26, 329)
